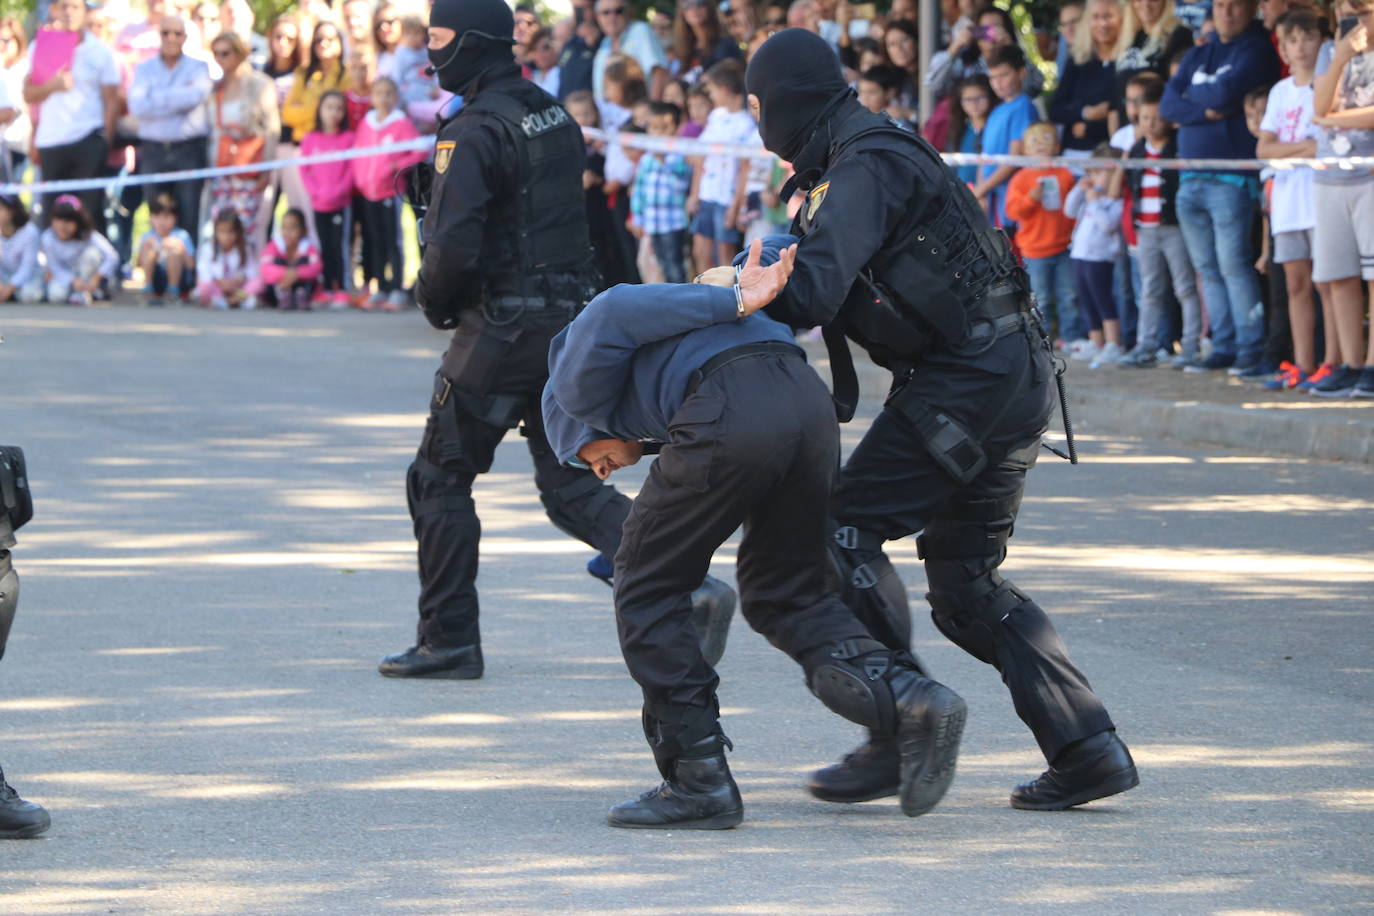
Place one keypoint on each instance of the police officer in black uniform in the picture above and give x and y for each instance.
(18, 818)
(897, 256)
(507, 264)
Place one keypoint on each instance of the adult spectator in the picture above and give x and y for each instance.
(1217, 208)
(1070, 15)
(243, 112)
(1087, 94)
(168, 98)
(543, 62)
(699, 40)
(635, 39)
(14, 67)
(1151, 36)
(971, 50)
(238, 17)
(356, 19)
(526, 24)
(386, 37)
(576, 59)
(902, 46)
(77, 108)
(803, 14)
(323, 71)
(138, 41)
(206, 18)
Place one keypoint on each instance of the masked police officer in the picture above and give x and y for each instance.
(18, 818)
(897, 256)
(507, 264)
(694, 369)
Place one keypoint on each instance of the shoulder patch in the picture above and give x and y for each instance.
(443, 155)
(814, 199)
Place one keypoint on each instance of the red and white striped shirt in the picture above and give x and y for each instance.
(1148, 206)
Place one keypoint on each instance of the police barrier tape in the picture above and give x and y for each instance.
(692, 147)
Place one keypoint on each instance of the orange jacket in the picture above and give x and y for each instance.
(1040, 233)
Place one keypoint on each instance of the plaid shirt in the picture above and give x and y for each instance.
(658, 198)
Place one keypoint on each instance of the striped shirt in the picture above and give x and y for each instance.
(1148, 206)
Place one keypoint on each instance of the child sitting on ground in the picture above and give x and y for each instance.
(1096, 244)
(291, 264)
(166, 254)
(226, 275)
(80, 264)
(20, 276)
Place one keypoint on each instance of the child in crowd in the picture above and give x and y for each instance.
(968, 118)
(1286, 132)
(716, 178)
(1126, 279)
(330, 186)
(1035, 199)
(1343, 241)
(675, 93)
(623, 87)
(581, 106)
(359, 91)
(21, 278)
(1161, 253)
(226, 275)
(698, 113)
(1137, 88)
(877, 88)
(640, 113)
(417, 90)
(291, 264)
(1006, 124)
(658, 198)
(80, 264)
(1277, 343)
(1096, 243)
(375, 179)
(166, 254)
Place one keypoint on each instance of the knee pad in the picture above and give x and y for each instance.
(429, 490)
(869, 585)
(9, 598)
(972, 607)
(852, 679)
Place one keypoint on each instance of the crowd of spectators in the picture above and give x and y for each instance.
(1265, 275)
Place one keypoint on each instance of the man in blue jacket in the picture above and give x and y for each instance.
(1216, 209)
(748, 437)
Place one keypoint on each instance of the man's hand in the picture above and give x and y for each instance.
(760, 285)
(1213, 115)
(1080, 130)
(717, 276)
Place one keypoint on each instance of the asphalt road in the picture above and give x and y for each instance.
(222, 552)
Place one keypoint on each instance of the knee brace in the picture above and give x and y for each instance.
(869, 585)
(9, 598)
(853, 679)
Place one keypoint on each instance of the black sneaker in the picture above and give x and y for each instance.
(1339, 384)
(1219, 361)
(1365, 387)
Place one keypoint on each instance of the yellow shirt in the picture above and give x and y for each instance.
(298, 111)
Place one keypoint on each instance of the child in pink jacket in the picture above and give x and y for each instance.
(330, 186)
(380, 204)
(291, 263)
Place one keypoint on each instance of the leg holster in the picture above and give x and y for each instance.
(949, 443)
(869, 585)
(9, 597)
(853, 679)
(672, 728)
(430, 489)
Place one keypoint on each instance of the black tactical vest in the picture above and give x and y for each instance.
(934, 274)
(546, 219)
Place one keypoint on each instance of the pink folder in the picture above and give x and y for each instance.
(53, 49)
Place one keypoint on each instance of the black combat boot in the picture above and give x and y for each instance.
(699, 795)
(872, 770)
(460, 663)
(19, 819)
(1085, 770)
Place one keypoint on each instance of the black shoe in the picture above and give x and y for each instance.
(461, 663)
(872, 770)
(1089, 769)
(19, 819)
(930, 722)
(1341, 383)
(713, 605)
(701, 795)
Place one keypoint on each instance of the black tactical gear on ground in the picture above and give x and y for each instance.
(896, 256)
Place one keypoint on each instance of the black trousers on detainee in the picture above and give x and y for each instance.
(755, 444)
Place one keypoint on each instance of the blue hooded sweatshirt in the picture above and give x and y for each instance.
(620, 370)
(1218, 76)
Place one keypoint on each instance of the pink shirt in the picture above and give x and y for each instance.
(329, 184)
(375, 176)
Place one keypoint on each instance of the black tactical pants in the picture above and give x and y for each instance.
(734, 458)
(948, 457)
(492, 380)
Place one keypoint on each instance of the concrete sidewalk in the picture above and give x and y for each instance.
(1208, 409)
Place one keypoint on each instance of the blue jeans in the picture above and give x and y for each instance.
(1051, 280)
(1216, 218)
(668, 250)
(1126, 293)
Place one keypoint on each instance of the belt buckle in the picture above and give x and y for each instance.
(440, 399)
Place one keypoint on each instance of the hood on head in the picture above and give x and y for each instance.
(485, 40)
(797, 79)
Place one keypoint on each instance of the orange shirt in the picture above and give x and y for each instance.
(1041, 232)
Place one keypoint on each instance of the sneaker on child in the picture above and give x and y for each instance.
(1219, 361)
(1139, 358)
(1364, 388)
(1339, 384)
(1317, 377)
(1108, 355)
(1289, 376)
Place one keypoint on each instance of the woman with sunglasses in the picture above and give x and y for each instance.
(386, 37)
(631, 38)
(243, 108)
(324, 71)
(699, 40)
(14, 66)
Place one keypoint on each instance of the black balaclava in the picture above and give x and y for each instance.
(486, 35)
(798, 81)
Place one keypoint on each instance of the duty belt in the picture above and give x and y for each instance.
(734, 354)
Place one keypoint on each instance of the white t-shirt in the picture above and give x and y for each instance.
(1289, 117)
(719, 172)
(1124, 138)
(66, 117)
